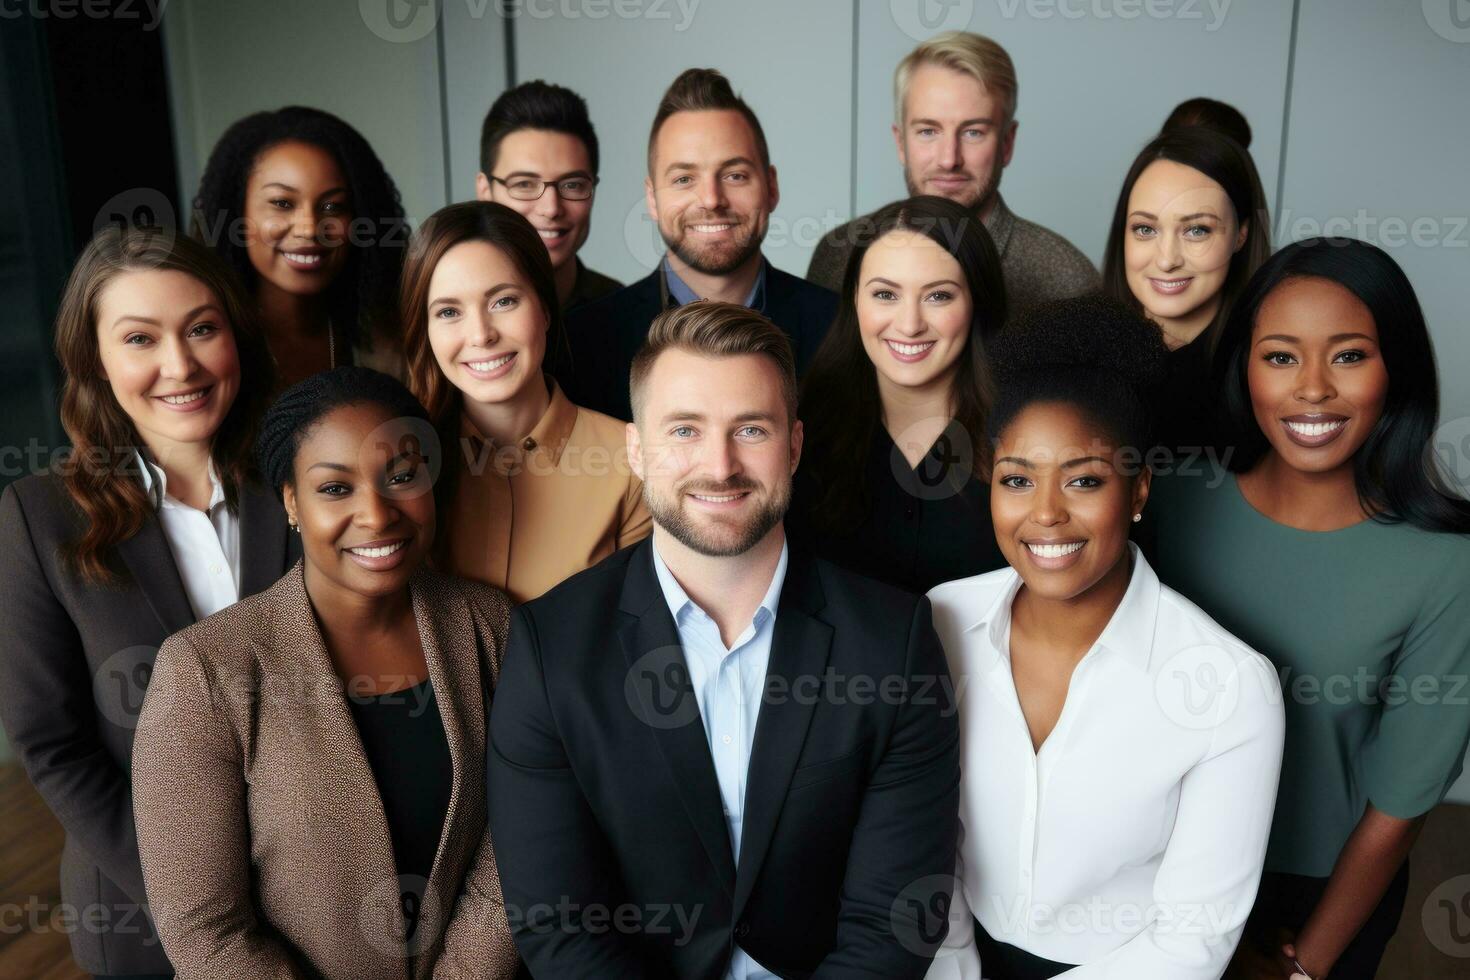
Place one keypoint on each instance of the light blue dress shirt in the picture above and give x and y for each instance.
(680, 291)
(728, 683)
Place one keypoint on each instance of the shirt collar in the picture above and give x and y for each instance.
(152, 476)
(550, 435)
(1129, 634)
(1000, 223)
(678, 600)
(680, 293)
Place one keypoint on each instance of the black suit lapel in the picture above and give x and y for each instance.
(658, 688)
(799, 649)
(151, 565)
(263, 544)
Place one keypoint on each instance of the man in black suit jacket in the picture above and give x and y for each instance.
(711, 189)
(711, 751)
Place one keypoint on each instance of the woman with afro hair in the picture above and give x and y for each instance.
(1119, 749)
(300, 206)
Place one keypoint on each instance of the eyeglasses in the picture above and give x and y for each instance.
(531, 188)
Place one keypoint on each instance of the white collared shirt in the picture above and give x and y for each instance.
(728, 685)
(205, 544)
(1132, 842)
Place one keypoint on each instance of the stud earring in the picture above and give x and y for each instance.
(1137, 518)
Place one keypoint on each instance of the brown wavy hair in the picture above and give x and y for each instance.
(470, 221)
(100, 475)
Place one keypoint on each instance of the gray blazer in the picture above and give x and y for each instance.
(73, 670)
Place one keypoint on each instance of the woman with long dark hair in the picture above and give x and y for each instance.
(300, 206)
(1336, 550)
(892, 482)
(155, 520)
(1189, 228)
(534, 489)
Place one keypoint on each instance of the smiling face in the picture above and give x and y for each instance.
(536, 155)
(168, 351)
(297, 214)
(1060, 507)
(708, 191)
(361, 495)
(1180, 235)
(955, 139)
(1317, 378)
(487, 326)
(914, 311)
(715, 449)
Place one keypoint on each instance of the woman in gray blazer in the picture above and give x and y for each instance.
(153, 521)
(309, 767)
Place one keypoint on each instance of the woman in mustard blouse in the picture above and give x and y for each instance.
(533, 489)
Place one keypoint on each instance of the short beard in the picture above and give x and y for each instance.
(671, 516)
(988, 191)
(713, 265)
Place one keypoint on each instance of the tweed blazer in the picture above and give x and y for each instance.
(73, 671)
(265, 847)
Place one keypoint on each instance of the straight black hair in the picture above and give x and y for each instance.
(1397, 477)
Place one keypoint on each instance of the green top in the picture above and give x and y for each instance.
(1369, 629)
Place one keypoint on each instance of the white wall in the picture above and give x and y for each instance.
(227, 60)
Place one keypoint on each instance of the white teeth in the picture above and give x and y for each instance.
(716, 500)
(1054, 550)
(909, 350)
(1312, 429)
(192, 396)
(1171, 283)
(710, 229)
(549, 234)
(489, 365)
(383, 552)
(303, 258)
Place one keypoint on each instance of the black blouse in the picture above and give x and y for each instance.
(1187, 406)
(918, 526)
(403, 736)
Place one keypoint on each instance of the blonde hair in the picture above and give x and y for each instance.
(714, 329)
(970, 54)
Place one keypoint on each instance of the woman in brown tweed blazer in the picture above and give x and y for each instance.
(308, 769)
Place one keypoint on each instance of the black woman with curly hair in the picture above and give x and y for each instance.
(299, 204)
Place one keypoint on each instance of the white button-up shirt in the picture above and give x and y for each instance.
(1132, 842)
(205, 543)
(728, 683)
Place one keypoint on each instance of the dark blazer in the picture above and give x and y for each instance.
(605, 334)
(603, 795)
(262, 831)
(73, 671)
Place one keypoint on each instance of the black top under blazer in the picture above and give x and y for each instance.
(73, 671)
(603, 794)
(605, 334)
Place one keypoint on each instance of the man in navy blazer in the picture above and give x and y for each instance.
(711, 189)
(712, 755)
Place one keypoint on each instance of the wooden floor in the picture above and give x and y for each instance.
(30, 859)
(30, 854)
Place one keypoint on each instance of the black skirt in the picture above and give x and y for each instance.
(1002, 961)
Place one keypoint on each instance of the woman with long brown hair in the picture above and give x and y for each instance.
(154, 521)
(534, 489)
(892, 482)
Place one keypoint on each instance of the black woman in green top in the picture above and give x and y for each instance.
(1336, 550)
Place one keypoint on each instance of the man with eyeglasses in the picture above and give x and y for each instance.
(538, 154)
